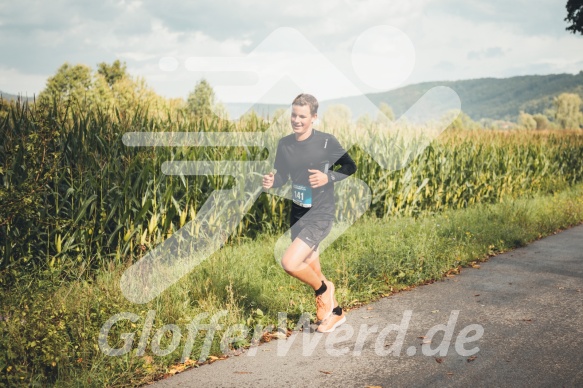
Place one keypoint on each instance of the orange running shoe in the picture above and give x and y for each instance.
(331, 323)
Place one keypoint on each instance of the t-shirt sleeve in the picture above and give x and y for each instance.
(281, 167)
(339, 157)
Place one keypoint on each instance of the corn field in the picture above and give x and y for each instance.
(73, 197)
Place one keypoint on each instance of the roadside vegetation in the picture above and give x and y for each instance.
(78, 207)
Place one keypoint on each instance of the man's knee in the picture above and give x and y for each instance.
(288, 263)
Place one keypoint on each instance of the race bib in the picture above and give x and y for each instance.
(302, 195)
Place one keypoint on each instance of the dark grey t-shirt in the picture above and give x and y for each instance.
(320, 151)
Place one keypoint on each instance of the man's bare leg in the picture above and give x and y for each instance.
(294, 263)
(314, 261)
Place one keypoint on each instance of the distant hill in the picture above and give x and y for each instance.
(8, 96)
(494, 98)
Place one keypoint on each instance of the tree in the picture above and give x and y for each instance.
(337, 116)
(568, 111)
(221, 110)
(575, 16)
(526, 121)
(542, 121)
(202, 99)
(364, 121)
(463, 121)
(112, 73)
(110, 88)
(385, 114)
(69, 84)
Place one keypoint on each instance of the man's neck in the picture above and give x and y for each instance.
(305, 135)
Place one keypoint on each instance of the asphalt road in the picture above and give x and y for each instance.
(517, 321)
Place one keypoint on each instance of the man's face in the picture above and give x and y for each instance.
(301, 119)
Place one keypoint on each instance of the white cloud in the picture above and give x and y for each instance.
(490, 52)
(14, 81)
(453, 39)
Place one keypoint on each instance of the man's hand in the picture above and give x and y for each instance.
(268, 181)
(317, 178)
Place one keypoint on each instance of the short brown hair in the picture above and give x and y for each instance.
(307, 99)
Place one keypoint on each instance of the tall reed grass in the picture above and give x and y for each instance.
(75, 198)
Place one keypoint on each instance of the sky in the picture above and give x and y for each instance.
(250, 49)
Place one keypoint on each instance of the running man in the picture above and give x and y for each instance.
(307, 157)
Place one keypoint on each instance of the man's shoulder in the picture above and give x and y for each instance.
(287, 139)
(324, 135)
(318, 133)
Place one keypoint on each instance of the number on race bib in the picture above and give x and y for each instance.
(302, 195)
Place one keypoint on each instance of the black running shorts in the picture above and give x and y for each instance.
(312, 232)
